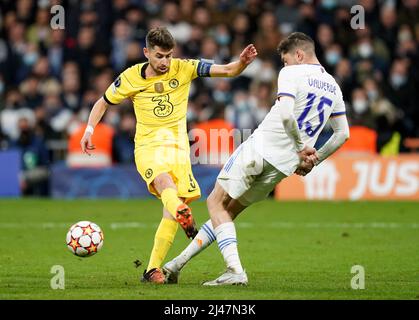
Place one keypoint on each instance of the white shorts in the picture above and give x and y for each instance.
(247, 177)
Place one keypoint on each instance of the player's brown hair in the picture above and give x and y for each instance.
(296, 40)
(160, 37)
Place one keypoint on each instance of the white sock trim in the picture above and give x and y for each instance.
(227, 243)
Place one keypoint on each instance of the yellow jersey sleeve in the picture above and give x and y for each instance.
(120, 89)
(196, 68)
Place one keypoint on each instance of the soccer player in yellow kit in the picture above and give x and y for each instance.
(159, 90)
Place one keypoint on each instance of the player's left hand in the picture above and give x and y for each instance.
(304, 168)
(248, 54)
(306, 165)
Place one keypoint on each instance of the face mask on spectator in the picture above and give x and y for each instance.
(152, 8)
(332, 57)
(191, 115)
(113, 119)
(397, 80)
(220, 96)
(30, 58)
(404, 36)
(266, 75)
(372, 94)
(365, 50)
(223, 39)
(241, 105)
(329, 4)
(360, 105)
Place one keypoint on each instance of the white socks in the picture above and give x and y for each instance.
(225, 234)
(227, 243)
(202, 240)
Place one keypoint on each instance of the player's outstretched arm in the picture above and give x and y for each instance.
(96, 114)
(234, 68)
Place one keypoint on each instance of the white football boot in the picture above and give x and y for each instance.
(229, 278)
(171, 271)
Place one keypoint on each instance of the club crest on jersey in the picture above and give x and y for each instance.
(173, 83)
(158, 86)
(148, 173)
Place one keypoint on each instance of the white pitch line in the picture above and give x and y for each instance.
(241, 225)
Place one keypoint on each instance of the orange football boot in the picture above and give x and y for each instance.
(186, 220)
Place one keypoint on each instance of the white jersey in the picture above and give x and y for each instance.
(317, 97)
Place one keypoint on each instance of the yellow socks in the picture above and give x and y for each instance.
(166, 231)
(162, 242)
(170, 200)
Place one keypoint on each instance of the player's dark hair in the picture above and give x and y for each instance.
(296, 40)
(160, 37)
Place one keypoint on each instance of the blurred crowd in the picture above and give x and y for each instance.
(50, 79)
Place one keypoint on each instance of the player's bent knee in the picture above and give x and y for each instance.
(163, 181)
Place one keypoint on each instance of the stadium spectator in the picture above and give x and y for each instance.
(14, 107)
(345, 77)
(71, 86)
(103, 147)
(401, 92)
(123, 140)
(360, 111)
(247, 110)
(34, 159)
(39, 32)
(268, 36)
(388, 26)
(287, 15)
(56, 52)
(122, 35)
(180, 30)
(325, 38)
(30, 88)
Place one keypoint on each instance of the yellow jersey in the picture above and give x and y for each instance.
(160, 102)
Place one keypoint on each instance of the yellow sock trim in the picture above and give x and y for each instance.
(163, 240)
(170, 200)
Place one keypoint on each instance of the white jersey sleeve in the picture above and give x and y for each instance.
(339, 108)
(287, 83)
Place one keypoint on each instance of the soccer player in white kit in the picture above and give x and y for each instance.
(283, 143)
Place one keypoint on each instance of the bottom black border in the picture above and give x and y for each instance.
(210, 309)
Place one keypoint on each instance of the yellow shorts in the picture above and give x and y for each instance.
(151, 162)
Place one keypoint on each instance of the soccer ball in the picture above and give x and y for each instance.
(84, 239)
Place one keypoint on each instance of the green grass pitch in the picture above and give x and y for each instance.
(290, 250)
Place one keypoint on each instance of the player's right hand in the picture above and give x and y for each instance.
(308, 154)
(86, 143)
(305, 166)
(248, 54)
